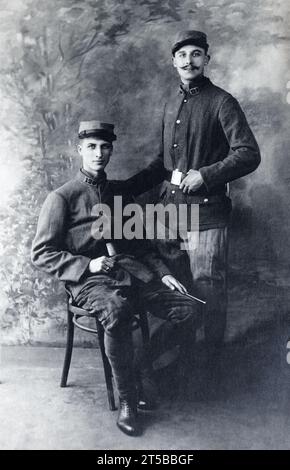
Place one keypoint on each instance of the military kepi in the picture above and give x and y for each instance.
(102, 130)
(195, 38)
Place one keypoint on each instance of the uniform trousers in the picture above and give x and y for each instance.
(115, 306)
(208, 251)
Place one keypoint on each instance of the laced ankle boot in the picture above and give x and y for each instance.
(127, 418)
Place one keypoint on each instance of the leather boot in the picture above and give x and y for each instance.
(146, 393)
(145, 385)
(127, 418)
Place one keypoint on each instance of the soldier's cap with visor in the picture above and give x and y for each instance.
(192, 37)
(101, 130)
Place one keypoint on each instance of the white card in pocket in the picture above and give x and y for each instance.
(176, 177)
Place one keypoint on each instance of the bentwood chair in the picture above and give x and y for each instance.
(74, 316)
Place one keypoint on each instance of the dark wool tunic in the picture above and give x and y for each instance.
(203, 129)
(64, 243)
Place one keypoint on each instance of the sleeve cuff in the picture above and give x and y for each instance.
(164, 272)
(204, 174)
(81, 267)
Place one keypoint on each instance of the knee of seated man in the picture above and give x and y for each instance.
(117, 317)
(189, 312)
(185, 312)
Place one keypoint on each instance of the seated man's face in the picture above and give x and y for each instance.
(95, 153)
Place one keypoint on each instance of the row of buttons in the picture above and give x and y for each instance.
(176, 145)
(177, 122)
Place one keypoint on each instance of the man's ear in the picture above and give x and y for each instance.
(79, 148)
(173, 61)
(207, 59)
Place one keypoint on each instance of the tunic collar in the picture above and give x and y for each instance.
(195, 86)
(86, 177)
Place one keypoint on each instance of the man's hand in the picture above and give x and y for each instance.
(103, 264)
(191, 182)
(173, 283)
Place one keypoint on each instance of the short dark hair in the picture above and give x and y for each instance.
(205, 48)
(195, 38)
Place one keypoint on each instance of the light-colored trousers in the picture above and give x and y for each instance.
(208, 252)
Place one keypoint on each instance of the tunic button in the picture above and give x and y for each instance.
(173, 192)
(101, 213)
(178, 121)
(175, 145)
(184, 101)
(205, 200)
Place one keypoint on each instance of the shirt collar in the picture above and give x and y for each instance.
(86, 177)
(195, 86)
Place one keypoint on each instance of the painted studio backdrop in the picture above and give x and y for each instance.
(62, 61)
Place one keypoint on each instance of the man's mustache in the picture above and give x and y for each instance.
(192, 67)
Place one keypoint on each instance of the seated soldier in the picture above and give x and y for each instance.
(110, 286)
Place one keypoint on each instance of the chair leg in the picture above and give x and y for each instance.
(107, 368)
(68, 350)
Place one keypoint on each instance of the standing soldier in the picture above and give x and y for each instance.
(206, 142)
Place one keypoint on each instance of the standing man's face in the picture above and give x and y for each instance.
(189, 62)
(95, 153)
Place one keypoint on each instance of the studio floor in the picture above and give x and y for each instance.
(251, 410)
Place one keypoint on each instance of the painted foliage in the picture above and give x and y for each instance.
(67, 60)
